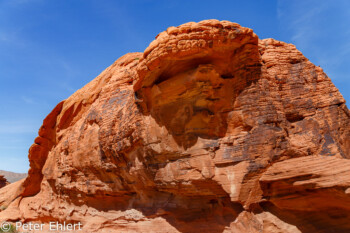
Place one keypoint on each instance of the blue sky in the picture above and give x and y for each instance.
(49, 49)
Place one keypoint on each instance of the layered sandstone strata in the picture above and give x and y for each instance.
(209, 130)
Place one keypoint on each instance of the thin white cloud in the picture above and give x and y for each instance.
(307, 23)
(20, 147)
(18, 3)
(67, 87)
(10, 33)
(4, 37)
(28, 100)
(11, 37)
(301, 19)
(17, 127)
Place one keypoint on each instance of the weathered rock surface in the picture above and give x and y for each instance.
(209, 130)
(3, 181)
(9, 193)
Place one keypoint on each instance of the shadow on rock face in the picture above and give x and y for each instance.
(195, 103)
(333, 220)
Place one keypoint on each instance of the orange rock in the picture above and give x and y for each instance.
(209, 130)
(8, 195)
(312, 192)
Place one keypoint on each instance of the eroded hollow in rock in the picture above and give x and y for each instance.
(195, 103)
(192, 104)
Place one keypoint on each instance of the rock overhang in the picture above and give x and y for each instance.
(185, 47)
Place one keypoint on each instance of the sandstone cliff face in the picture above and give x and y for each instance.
(209, 130)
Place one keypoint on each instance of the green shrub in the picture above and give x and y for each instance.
(11, 230)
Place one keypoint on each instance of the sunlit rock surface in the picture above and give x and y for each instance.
(209, 130)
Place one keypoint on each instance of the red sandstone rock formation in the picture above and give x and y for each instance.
(209, 130)
(3, 181)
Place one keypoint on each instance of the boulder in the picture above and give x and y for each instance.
(211, 129)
